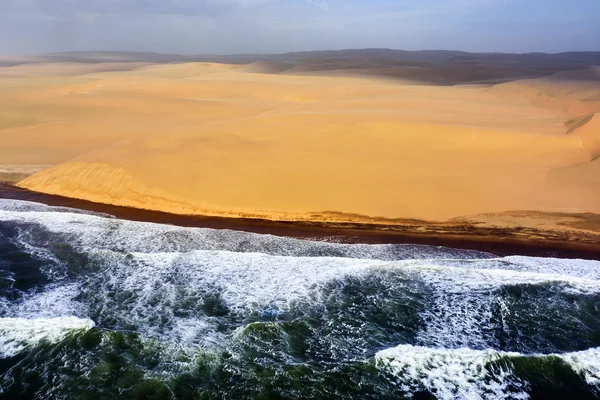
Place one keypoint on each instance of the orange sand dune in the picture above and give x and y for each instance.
(574, 94)
(220, 139)
(589, 132)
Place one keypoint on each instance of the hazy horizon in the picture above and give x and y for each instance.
(158, 53)
(270, 26)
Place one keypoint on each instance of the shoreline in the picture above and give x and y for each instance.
(499, 241)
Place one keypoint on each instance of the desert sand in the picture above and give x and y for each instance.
(268, 140)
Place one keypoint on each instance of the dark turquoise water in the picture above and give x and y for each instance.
(96, 307)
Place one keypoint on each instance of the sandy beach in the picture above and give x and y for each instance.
(269, 141)
(530, 234)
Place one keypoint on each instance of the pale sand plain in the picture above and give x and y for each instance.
(250, 141)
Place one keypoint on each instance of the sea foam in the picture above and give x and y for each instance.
(16, 334)
(471, 374)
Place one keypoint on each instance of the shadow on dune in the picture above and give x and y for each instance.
(434, 67)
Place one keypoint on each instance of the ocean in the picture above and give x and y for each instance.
(92, 306)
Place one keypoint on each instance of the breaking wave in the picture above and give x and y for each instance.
(127, 309)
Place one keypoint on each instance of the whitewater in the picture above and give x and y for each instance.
(92, 306)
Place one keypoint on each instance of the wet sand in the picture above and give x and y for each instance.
(459, 235)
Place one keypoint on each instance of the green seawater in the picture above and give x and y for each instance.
(92, 307)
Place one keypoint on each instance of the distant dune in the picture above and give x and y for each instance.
(66, 69)
(266, 67)
(438, 67)
(574, 94)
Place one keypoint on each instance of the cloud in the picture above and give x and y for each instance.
(323, 5)
(123, 7)
(244, 26)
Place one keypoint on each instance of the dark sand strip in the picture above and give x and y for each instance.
(499, 241)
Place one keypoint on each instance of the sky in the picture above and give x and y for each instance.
(275, 26)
